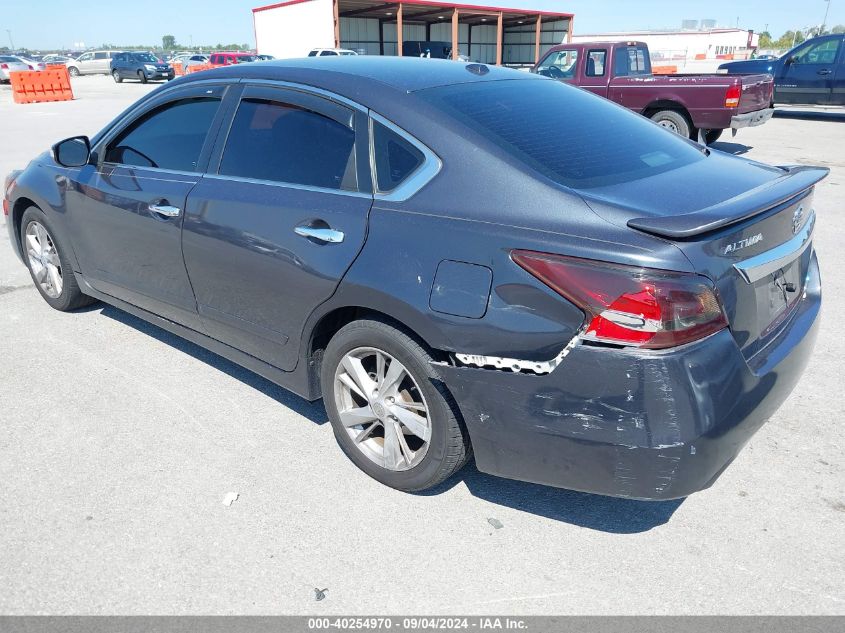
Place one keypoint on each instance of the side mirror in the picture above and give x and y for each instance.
(790, 60)
(72, 152)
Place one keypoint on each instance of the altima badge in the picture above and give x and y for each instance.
(796, 219)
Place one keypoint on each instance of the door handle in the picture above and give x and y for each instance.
(327, 235)
(824, 71)
(165, 210)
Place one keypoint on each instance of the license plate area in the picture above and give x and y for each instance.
(778, 295)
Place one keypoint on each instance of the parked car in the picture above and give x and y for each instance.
(813, 72)
(57, 59)
(330, 52)
(610, 308)
(228, 59)
(91, 63)
(32, 63)
(264, 58)
(10, 64)
(697, 106)
(141, 66)
(193, 60)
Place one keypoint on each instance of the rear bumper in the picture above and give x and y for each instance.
(751, 119)
(627, 423)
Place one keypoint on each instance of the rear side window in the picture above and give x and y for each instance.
(396, 159)
(285, 143)
(170, 137)
(568, 135)
(595, 63)
(632, 60)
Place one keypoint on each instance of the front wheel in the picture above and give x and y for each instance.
(48, 264)
(672, 120)
(389, 410)
(115, 74)
(73, 71)
(142, 77)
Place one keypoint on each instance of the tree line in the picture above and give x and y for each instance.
(793, 38)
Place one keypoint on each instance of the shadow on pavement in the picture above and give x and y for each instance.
(313, 411)
(595, 512)
(811, 115)
(737, 149)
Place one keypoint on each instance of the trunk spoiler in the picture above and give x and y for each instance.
(794, 181)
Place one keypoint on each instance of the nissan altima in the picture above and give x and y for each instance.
(458, 259)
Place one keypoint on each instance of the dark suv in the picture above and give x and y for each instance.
(140, 66)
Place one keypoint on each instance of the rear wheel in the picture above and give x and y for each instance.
(142, 77)
(711, 136)
(48, 264)
(390, 412)
(672, 120)
(116, 76)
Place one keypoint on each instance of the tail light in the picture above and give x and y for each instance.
(4, 66)
(732, 96)
(627, 305)
(7, 191)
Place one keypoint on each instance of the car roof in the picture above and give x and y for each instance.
(407, 74)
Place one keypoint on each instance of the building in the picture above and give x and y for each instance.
(683, 46)
(488, 34)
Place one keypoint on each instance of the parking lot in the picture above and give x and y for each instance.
(120, 442)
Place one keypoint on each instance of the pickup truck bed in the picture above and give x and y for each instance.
(698, 106)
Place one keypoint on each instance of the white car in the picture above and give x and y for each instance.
(324, 52)
(12, 63)
(91, 63)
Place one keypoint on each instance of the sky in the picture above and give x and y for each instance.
(63, 23)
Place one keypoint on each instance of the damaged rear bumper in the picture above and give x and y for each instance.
(629, 423)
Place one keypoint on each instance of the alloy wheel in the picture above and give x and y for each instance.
(44, 259)
(382, 408)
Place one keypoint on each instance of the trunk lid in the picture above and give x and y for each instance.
(753, 242)
(757, 91)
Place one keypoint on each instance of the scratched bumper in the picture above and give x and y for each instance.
(647, 425)
(752, 119)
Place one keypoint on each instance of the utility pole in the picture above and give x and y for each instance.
(821, 30)
(9, 32)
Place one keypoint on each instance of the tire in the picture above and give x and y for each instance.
(711, 136)
(73, 71)
(115, 74)
(419, 464)
(142, 77)
(672, 120)
(70, 296)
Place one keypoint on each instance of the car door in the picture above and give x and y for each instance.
(127, 209)
(84, 63)
(281, 215)
(595, 77)
(809, 73)
(837, 93)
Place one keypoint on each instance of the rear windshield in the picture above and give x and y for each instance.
(573, 137)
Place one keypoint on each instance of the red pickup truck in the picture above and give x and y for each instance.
(696, 106)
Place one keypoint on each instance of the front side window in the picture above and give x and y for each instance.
(396, 158)
(169, 137)
(86, 57)
(312, 53)
(595, 63)
(285, 143)
(821, 53)
(560, 65)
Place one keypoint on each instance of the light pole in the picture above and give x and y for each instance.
(9, 32)
(821, 30)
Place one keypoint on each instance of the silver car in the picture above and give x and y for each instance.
(91, 63)
(10, 64)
